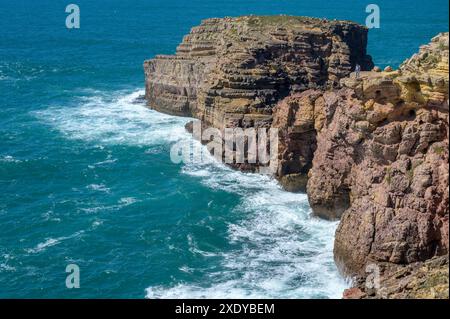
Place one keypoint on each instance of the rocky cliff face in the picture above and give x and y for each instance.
(372, 151)
(232, 71)
(381, 161)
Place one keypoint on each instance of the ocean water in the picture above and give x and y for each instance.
(85, 171)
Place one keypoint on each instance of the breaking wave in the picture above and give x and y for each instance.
(284, 251)
(115, 120)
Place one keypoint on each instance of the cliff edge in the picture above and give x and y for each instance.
(227, 68)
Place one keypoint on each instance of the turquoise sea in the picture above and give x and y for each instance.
(86, 177)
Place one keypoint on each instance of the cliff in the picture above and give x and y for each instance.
(235, 70)
(372, 151)
(381, 164)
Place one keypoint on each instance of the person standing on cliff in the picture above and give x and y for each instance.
(357, 70)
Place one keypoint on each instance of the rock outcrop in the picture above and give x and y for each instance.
(384, 153)
(381, 161)
(372, 151)
(233, 71)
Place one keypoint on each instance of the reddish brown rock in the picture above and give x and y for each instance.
(232, 72)
(295, 119)
(354, 293)
(380, 161)
(386, 158)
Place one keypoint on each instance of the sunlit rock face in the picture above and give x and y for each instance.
(234, 70)
(381, 163)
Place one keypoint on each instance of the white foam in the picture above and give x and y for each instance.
(48, 216)
(96, 224)
(49, 242)
(99, 187)
(128, 201)
(42, 246)
(116, 120)
(4, 266)
(17, 71)
(121, 203)
(284, 251)
(9, 159)
(109, 160)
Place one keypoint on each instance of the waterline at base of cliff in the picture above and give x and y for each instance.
(275, 247)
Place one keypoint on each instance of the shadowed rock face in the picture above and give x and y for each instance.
(232, 71)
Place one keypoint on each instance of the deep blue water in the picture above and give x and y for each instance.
(85, 174)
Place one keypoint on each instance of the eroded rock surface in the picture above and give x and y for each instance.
(372, 151)
(381, 161)
(232, 71)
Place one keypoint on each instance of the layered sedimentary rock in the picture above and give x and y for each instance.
(372, 151)
(233, 71)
